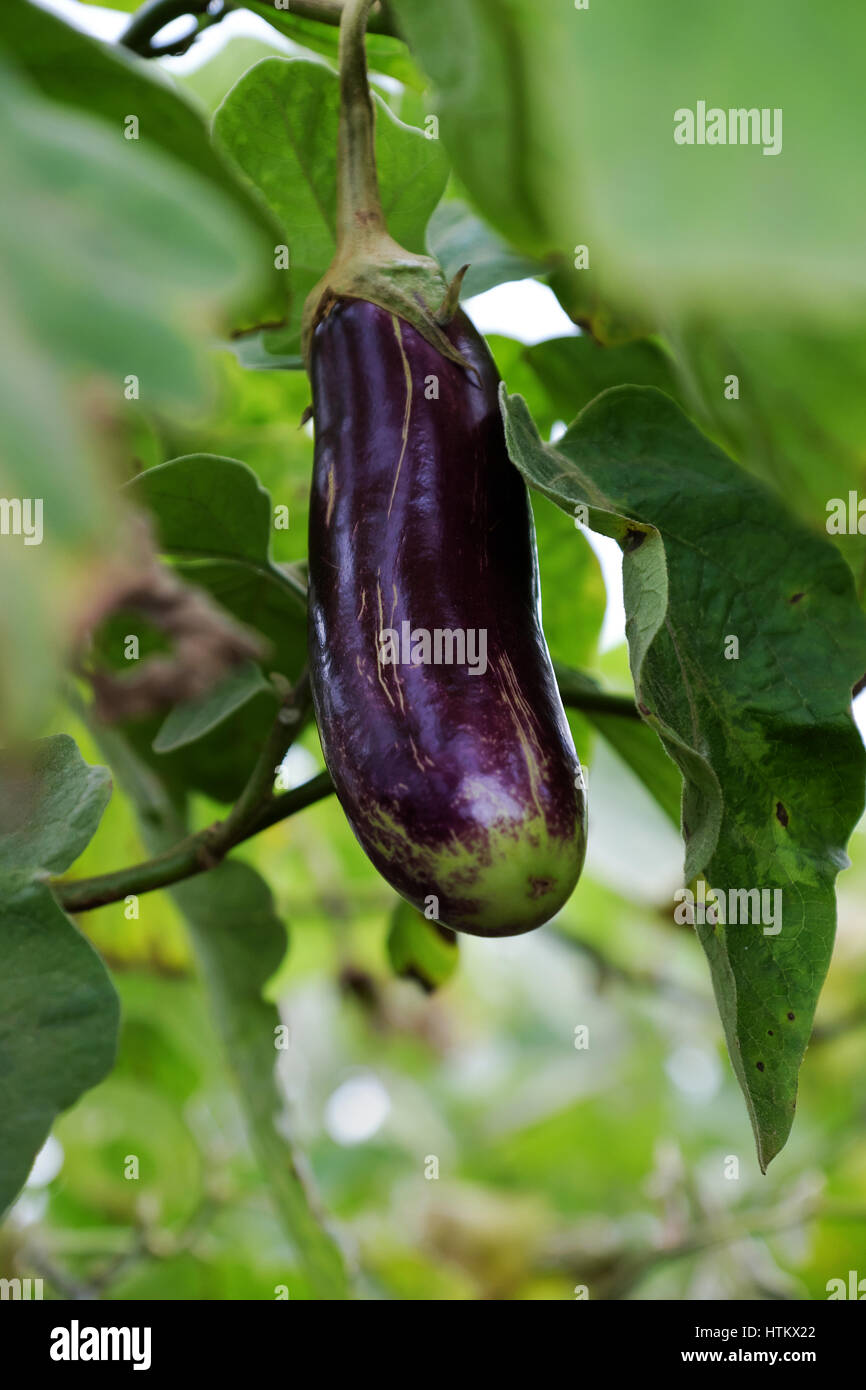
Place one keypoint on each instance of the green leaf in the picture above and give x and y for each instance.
(456, 236)
(51, 802)
(59, 1018)
(772, 762)
(58, 1009)
(560, 123)
(191, 721)
(239, 941)
(421, 950)
(107, 81)
(260, 351)
(206, 505)
(279, 124)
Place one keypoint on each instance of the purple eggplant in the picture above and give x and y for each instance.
(435, 698)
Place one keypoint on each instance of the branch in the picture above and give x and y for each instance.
(331, 12)
(255, 810)
(154, 15)
(581, 692)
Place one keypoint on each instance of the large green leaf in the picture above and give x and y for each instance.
(58, 1010)
(206, 505)
(772, 762)
(105, 80)
(279, 124)
(560, 123)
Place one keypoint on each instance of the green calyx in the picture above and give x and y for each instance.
(381, 272)
(368, 263)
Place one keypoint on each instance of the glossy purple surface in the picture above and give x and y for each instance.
(418, 515)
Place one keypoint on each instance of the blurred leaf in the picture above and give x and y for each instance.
(421, 950)
(456, 236)
(279, 124)
(772, 761)
(549, 158)
(584, 296)
(106, 80)
(145, 253)
(259, 352)
(51, 802)
(189, 722)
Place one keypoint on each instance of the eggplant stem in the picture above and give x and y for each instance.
(359, 204)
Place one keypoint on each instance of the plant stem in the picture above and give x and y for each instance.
(192, 856)
(581, 692)
(331, 12)
(359, 205)
(153, 16)
(255, 809)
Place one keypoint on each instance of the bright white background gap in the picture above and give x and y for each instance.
(523, 309)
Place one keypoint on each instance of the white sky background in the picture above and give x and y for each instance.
(524, 309)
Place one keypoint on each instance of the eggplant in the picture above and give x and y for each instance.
(458, 776)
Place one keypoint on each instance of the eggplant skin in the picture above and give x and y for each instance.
(461, 786)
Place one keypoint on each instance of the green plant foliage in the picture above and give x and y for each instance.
(547, 1114)
(279, 125)
(56, 999)
(748, 734)
(214, 515)
(421, 950)
(100, 80)
(562, 132)
(191, 721)
(384, 53)
(457, 237)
